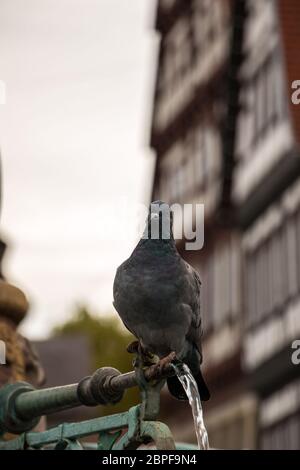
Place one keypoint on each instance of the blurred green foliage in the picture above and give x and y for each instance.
(108, 340)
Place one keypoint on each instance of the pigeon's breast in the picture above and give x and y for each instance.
(148, 287)
(149, 302)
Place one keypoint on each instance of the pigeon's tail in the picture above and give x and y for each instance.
(176, 389)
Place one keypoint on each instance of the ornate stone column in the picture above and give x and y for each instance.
(21, 360)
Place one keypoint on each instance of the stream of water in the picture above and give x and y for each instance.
(190, 387)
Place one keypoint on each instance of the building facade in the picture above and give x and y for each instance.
(226, 135)
(193, 131)
(266, 190)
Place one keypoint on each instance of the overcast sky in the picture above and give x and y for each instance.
(73, 134)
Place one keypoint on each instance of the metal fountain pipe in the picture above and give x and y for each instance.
(106, 385)
(21, 405)
(36, 403)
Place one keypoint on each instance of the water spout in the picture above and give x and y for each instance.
(190, 387)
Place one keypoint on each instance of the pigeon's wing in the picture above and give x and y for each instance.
(195, 331)
(124, 322)
(120, 301)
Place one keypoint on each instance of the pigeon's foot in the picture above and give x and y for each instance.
(163, 364)
(133, 347)
(165, 361)
(147, 358)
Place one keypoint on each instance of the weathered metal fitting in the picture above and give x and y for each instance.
(84, 392)
(101, 388)
(9, 419)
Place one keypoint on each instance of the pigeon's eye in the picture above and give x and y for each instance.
(154, 216)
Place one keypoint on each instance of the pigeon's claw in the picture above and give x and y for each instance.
(163, 364)
(146, 356)
(148, 359)
(165, 361)
(133, 347)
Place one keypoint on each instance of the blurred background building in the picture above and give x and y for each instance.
(266, 192)
(226, 134)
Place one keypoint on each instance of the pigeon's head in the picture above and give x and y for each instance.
(160, 221)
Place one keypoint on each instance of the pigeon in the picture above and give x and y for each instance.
(157, 296)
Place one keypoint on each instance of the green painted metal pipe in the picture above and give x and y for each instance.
(29, 405)
(105, 386)
(21, 405)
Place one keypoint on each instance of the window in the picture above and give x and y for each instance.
(266, 96)
(250, 291)
(233, 425)
(200, 159)
(260, 92)
(208, 20)
(282, 436)
(167, 4)
(175, 83)
(272, 276)
(190, 165)
(264, 104)
(226, 278)
(192, 42)
(297, 222)
(245, 123)
(170, 185)
(177, 58)
(188, 174)
(220, 291)
(276, 270)
(291, 260)
(207, 155)
(177, 52)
